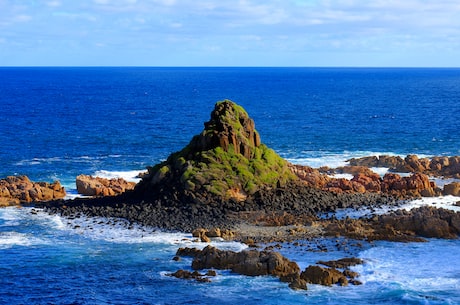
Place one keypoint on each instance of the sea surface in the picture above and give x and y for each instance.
(57, 123)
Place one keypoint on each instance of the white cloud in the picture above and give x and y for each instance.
(22, 18)
(284, 26)
(53, 3)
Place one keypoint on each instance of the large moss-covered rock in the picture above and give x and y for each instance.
(226, 159)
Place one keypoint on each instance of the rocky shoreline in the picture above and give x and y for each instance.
(228, 184)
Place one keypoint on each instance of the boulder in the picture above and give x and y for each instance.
(97, 186)
(424, 221)
(20, 189)
(414, 164)
(323, 276)
(452, 189)
(344, 185)
(342, 263)
(310, 176)
(371, 182)
(185, 274)
(417, 184)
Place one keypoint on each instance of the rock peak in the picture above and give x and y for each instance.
(226, 159)
(230, 127)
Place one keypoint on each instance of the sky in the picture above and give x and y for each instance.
(311, 33)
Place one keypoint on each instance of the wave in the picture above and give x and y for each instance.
(330, 159)
(420, 270)
(116, 230)
(11, 239)
(132, 175)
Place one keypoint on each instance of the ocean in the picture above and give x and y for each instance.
(57, 123)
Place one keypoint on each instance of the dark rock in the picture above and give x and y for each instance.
(342, 263)
(323, 276)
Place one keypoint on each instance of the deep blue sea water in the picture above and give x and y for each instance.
(57, 123)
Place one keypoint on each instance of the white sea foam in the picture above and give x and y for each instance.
(342, 176)
(425, 268)
(446, 202)
(381, 171)
(10, 239)
(132, 176)
(330, 159)
(121, 231)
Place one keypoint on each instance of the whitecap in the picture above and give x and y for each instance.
(116, 230)
(331, 159)
(11, 238)
(132, 175)
(446, 202)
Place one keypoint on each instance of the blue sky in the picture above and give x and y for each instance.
(230, 33)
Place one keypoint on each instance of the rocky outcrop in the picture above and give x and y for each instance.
(365, 180)
(256, 263)
(415, 185)
(401, 225)
(248, 262)
(205, 235)
(195, 275)
(19, 189)
(97, 186)
(226, 160)
(323, 276)
(448, 167)
(424, 221)
(452, 189)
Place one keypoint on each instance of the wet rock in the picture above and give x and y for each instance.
(323, 276)
(195, 275)
(343, 263)
(248, 262)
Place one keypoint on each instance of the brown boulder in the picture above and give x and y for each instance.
(414, 164)
(96, 186)
(344, 185)
(323, 276)
(452, 189)
(417, 184)
(19, 189)
(371, 183)
(392, 162)
(424, 221)
(310, 176)
(250, 262)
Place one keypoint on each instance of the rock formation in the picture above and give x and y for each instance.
(248, 262)
(96, 186)
(448, 167)
(365, 180)
(19, 189)
(226, 159)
